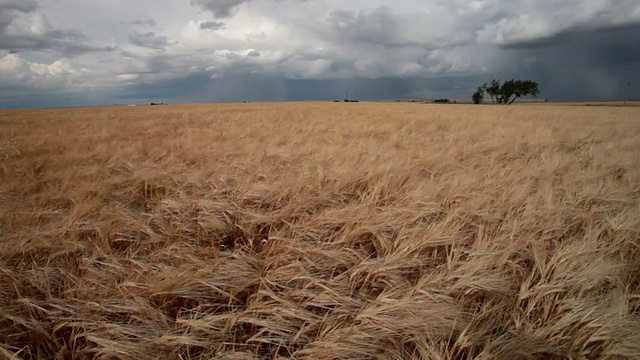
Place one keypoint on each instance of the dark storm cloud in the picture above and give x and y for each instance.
(187, 86)
(164, 63)
(378, 26)
(34, 98)
(19, 5)
(212, 25)
(579, 34)
(223, 8)
(161, 66)
(384, 26)
(150, 40)
(9, 10)
(582, 64)
(66, 42)
(219, 8)
(517, 26)
(199, 87)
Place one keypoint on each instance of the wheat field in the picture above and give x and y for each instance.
(320, 231)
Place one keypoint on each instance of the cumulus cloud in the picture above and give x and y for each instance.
(18, 72)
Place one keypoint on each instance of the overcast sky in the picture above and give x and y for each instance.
(78, 52)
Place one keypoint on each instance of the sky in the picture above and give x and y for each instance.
(58, 53)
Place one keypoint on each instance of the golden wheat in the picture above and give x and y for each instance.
(320, 231)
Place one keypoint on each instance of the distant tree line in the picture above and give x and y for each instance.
(443, 101)
(506, 93)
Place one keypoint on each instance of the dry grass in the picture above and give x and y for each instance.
(320, 231)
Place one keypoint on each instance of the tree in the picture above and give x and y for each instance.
(513, 89)
(509, 91)
(478, 96)
(493, 90)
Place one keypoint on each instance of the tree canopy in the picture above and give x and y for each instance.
(478, 96)
(508, 92)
